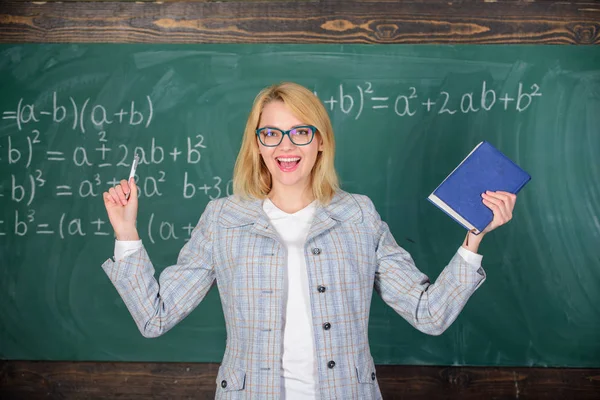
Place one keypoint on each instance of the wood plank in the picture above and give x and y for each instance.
(44, 379)
(302, 22)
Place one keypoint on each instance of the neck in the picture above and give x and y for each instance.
(291, 199)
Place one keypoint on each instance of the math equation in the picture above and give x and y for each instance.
(358, 99)
(31, 151)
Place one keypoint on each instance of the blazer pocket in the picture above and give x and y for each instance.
(366, 372)
(229, 379)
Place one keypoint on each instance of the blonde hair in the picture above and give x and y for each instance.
(251, 178)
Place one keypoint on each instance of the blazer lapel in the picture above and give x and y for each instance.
(322, 222)
(238, 213)
(263, 226)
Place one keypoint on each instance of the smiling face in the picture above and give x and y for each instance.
(290, 165)
(310, 173)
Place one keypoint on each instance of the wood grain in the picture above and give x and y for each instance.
(454, 22)
(302, 22)
(90, 380)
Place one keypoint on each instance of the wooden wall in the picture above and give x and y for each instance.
(90, 380)
(430, 21)
(538, 22)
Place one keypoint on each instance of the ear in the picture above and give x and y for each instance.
(320, 140)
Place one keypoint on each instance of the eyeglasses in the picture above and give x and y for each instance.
(299, 135)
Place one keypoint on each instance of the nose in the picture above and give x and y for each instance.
(286, 143)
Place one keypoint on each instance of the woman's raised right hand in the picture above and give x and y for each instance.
(122, 211)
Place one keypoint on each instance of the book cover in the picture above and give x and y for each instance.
(484, 168)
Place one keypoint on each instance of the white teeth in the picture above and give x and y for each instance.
(291, 159)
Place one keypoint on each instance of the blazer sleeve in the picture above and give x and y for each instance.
(429, 307)
(157, 306)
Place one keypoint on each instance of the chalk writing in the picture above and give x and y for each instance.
(354, 100)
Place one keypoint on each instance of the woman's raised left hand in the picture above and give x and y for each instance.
(502, 205)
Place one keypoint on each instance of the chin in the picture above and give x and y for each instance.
(290, 180)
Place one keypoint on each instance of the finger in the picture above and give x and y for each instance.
(501, 215)
(505, 196)
(499, 218)
(114, 195)
(125, 188)
(502, 201)
(509, 194)
(133, 187)
(512, 198)
(491, 205)
(121, 195)
(493, 198)
(496, 195)
(108, 198)
(498, 200)
(507, 200)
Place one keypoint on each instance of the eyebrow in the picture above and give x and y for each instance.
(295, 126)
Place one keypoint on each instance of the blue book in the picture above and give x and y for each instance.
(485, 168)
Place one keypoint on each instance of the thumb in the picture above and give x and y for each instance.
(133, 194)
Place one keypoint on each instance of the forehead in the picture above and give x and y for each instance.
(277, 114)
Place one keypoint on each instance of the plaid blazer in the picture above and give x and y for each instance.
(349, 251)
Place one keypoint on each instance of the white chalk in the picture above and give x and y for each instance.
(134, 165)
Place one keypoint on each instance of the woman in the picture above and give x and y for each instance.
(295, 259)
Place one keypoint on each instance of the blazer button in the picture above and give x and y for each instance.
(321, 289)
(331, 364)
(373, 375)
(316, 251)
(326, 326)
(223, 384)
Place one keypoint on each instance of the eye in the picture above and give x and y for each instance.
(301, 132)
(267, 132)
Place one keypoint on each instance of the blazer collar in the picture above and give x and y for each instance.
(238, 212)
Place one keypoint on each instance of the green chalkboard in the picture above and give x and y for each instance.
(404, 116)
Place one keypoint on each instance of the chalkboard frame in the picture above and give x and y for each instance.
(374, 22)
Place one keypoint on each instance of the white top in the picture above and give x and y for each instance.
(299, 379)
(299, 365)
